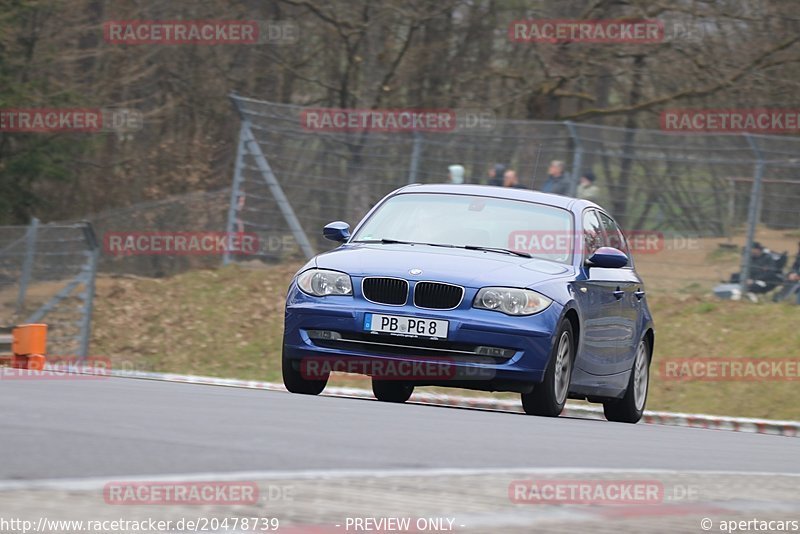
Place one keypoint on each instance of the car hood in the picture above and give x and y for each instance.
(470, 268)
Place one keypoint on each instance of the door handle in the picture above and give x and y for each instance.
(639, 294)
(618, 294)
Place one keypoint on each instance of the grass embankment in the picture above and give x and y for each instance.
(228, 323)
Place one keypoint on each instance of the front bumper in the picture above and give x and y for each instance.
(527, 341)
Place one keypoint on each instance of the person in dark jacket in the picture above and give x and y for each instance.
(496, 174)
(765, 272)
(794, 270)
(791, 282)
(557, 181)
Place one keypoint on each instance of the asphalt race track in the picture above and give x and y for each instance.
(117, 426)
(369, 453)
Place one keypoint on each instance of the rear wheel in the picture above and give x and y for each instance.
(629, 409)
(549, 397)
(295, 382)
(391, 390)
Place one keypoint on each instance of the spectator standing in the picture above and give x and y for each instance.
(496, 173)
(557, 181)
(587, 189)
(510, 179)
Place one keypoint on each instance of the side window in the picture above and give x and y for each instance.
(614, 237)
(592, 233)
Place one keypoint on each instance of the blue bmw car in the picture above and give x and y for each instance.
(477, 287)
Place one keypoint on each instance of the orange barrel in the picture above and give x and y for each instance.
(29, 345)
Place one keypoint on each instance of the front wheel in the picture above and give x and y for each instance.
(549, 397)
(295, 382)
(629, 409)
(391, 391)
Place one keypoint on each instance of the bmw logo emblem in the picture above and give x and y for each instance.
(415, 271)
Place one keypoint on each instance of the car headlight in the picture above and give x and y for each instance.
(321, 282)
(511, 301)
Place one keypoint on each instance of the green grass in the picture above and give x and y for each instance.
(723, 254)
(228, 323)
(701, 327)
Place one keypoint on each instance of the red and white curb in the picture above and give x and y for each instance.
(712, 422)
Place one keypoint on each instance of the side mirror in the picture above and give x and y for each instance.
(338, 231)
(608, 258)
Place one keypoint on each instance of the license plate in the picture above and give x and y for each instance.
(408, 326)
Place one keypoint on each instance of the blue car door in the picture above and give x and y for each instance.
(598, 292)
(631, 298)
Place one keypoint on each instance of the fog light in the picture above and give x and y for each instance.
(328, 335)
(495, 352)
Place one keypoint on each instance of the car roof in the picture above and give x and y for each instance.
(511, 193)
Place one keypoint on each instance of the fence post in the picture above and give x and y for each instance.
(241, 151)
(729, 224)
(89, 276)
(415, 155)
(277, 192)
(27, 264)
(752, 212)
(577, 158)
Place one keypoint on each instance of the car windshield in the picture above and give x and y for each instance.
(467, 220)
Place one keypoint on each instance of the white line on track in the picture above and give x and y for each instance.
(95, 483)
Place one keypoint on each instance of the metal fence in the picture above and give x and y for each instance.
(47, 273)
(203, 211)
(706, 196)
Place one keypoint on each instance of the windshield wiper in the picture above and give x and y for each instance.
(399, 242)
(386, 241)
(468, 247)
(498, 249)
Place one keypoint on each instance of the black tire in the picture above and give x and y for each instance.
(391, 390)
(628, 409)
(295, 383)
(548, 398)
